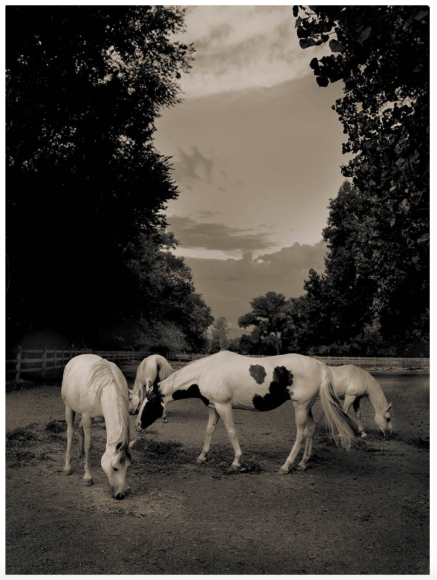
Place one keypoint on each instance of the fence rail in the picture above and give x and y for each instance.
(45, 360)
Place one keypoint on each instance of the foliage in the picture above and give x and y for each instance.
(378, 231)
(270, 316)
(85, 185)
(218, 335)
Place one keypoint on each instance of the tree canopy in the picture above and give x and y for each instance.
(270, 316)
(85, 185)
(378, 230)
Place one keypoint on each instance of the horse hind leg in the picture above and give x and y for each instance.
(310, 430)
(164, 413)
(225, 412)
(301, 422)
(212, 423)
(86, 423)
(69, 417)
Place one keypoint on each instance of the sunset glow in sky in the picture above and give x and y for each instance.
(256, 153)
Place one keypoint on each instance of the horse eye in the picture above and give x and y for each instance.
(115, 468)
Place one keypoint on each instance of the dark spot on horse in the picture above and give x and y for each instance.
(278, 391)
(258, 373)
(192, 393)
(153, 409)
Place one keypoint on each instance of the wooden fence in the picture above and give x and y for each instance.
(44, 360)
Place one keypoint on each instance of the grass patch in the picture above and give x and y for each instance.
(19, 436)
(56, 426)
(160, 456)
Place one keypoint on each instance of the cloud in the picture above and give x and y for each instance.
(206, 214)
(243, 47)
(228, 286)
(195, 166)
(216, 236)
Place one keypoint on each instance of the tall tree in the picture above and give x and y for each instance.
(271, 317)
(382, 55)
(84, 86)
(219, 334)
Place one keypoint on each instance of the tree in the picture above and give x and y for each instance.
(219, 335)
(270, 316)
(382, 55)
(84, 85)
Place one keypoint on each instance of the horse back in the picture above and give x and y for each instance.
(78, 391)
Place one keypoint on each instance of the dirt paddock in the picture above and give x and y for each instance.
(360, 512)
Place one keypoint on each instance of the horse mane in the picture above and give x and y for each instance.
(103, 374)
(374, 390)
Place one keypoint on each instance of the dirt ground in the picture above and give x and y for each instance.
(360, 512)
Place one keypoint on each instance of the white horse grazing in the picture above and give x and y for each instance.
(152, 369)
(95, 387)
(227, 380)
(352, 384)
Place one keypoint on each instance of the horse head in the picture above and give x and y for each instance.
(383, 420)
(115, 462)
(136, 396)
(152, 407)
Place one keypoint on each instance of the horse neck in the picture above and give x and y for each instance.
(180, 380)
(376, 395)
(115, 417)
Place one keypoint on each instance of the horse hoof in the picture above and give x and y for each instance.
(283, 471)
(363, 435)
(235, 468)
(68, 471)
(165, 421)
(301, 467)
(199, 460)
(88, 481)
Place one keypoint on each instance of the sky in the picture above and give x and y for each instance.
(256, 150)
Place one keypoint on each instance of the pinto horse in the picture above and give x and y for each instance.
(95, 387)
(151, 370)
(226, 381)
(352, 384)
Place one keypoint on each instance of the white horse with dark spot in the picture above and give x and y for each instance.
(151, 370)
(95, 387)
(226, 381)
(352, 383)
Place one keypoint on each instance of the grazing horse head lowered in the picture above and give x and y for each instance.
(151, 370)
(95, 387)
(226, 381)
(353, 383)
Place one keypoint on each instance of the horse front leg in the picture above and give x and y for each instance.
(80, 451)
(69, 417)
(310, 430)
(301, 415)
(356, 406)
(212, 423)
(225, 412)
(86, 423)
(164, 413)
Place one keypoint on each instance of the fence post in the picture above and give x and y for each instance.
(18, 365)
(44, 362)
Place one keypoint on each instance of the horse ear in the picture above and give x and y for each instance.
(390, 406)
(132, 443)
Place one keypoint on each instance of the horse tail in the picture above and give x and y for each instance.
(336, 418)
